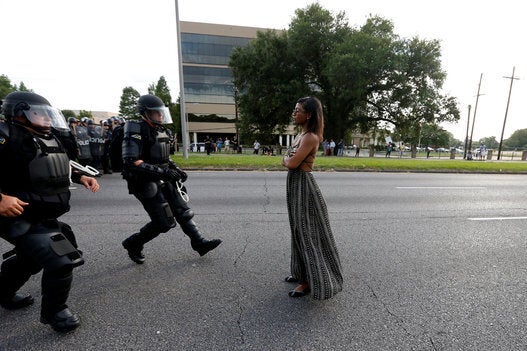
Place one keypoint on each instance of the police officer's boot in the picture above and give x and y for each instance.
(134, 246)
(135, 243)
(12, 277)
(55, 290)
(198, 243)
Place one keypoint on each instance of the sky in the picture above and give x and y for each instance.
(81, 54)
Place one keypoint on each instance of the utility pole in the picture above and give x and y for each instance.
(184, 133)
(512, 78)
(474, 118)
(466, 136)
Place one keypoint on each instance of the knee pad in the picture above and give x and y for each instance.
(148, 190)
(49, 248)
(68, 233)
(162, 217)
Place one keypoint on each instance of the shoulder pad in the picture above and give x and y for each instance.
(132, 127)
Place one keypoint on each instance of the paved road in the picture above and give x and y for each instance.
(431, 262)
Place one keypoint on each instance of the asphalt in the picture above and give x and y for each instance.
(420, 271)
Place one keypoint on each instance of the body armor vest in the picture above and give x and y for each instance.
(96, 141)
(83, 139)
(49, 176)
(159, 152)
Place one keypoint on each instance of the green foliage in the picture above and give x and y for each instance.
(266, 80)
(367, 78)
(68, 113)
(84, 113)
(517, 139)
(128, 102)
(161, 90)
(22, 87)
(433, 135)
(5, 86)
(492, 143)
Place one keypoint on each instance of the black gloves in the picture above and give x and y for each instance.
(181, 173)
(171, 175)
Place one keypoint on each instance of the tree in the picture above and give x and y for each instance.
(367, 78)
(22, 87)
(68, 113)
(84, 113)
(435, 136)
(262, 73)
(161, 90)
(518, 139)
(5, 86)
(490, 142)
(127, 106)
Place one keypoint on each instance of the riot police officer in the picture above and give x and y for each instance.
(107, 137)
(83, 140)
(95, 133)
(155, 180)
(34, 192)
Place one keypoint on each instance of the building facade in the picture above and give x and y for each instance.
(207, 78)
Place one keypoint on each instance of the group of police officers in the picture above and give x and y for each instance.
(94, 141)
(38, 145)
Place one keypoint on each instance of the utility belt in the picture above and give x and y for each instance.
(44, 207)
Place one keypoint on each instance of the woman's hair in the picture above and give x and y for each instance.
(312, 106)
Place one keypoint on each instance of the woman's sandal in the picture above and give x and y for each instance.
(291, 279)
(299, 293)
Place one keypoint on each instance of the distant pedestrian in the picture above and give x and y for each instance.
(332, 147)
(227, 145)
(208, 145)
(325, 147)
(340, 147)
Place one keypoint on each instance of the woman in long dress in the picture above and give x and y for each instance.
(315, 263)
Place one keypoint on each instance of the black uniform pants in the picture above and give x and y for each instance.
(16, 270)
(164, 205)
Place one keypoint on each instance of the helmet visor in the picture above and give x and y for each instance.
(43, 117)
(159, 115)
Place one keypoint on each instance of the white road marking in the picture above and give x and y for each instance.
(440, 187)
(495, 218)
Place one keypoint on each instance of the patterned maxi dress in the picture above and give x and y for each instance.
(314, 256)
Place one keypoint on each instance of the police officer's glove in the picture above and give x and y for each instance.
(182, 174)
(171, 175)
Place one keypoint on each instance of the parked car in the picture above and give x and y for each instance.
(441, 149)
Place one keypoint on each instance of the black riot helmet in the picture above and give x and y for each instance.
(72, 120)
(37, 111)
(152, 108)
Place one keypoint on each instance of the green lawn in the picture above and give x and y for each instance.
(380, 164)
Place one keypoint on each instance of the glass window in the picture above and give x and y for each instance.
(208, 84)
(209, 49)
